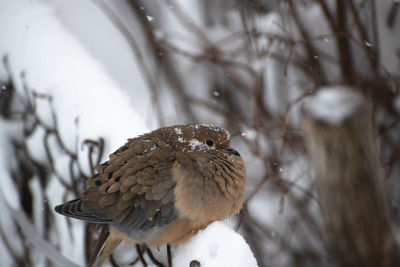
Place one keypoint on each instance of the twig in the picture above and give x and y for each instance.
(169, 256)
(139, 251)
(152, 258)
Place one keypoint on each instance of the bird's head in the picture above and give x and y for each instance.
(200, 138)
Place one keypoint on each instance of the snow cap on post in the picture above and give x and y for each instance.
(332, 105)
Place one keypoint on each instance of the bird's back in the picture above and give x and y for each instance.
(132, 190)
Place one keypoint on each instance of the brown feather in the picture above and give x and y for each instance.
(108, 199)
(168, 178)
(127, 196)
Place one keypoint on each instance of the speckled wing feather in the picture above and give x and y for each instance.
(134, 188)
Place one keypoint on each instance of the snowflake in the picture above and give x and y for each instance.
(178, 130)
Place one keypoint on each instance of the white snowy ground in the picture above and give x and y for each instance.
(58, 64)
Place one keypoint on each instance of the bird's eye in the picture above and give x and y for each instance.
(210, 142)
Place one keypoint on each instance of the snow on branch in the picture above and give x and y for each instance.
(38, 242)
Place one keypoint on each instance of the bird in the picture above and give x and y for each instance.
(162, 187)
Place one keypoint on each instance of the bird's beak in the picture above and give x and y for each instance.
(231, 151)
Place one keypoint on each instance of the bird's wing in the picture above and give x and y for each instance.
(134, 188)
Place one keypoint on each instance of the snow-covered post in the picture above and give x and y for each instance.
(349, 177)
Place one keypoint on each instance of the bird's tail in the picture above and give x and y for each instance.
(74, 209)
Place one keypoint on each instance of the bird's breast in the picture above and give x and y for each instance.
(207, 190)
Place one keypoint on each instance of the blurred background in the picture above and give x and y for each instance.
(79, 77)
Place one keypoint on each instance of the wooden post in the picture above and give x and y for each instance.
(342, 145)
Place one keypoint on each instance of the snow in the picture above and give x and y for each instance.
(196, 144)
(71, 51)
(249, 133)
(149, 18)
(276, 97)
(178, 130)
(215, 246)
(87, 102)
(94, 30)
(389, 40)
(39, 243)
(213, 128)
(46, 52)
(7, 223)
(8, 189)
(333, 105)
(37, 150)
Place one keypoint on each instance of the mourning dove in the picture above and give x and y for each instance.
(162, 187)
